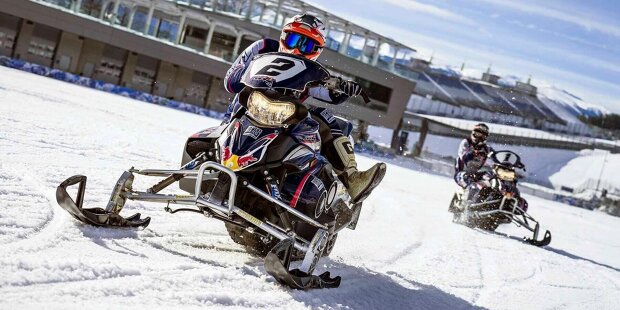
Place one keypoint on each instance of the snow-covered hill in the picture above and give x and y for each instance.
(565, 104)
(405, 254)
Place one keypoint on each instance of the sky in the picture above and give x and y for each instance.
(568, 44)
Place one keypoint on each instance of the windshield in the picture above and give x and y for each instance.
(281, 70)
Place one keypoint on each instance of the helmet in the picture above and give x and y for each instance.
(479, 133)
(303, 35)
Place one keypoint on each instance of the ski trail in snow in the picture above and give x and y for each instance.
(404, 254)
(44, 234)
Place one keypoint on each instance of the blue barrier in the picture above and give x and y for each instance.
(107, 87)
(18, 64)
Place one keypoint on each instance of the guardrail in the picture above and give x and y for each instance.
(107, 87)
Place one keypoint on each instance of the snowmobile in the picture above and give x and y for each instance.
(499, 201)
(262, 174)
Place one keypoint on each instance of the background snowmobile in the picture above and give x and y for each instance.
(499, 201)
(262, 174)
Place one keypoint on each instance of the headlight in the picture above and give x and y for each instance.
(267, 112)
(505, 174)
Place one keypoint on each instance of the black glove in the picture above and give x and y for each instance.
(479, 175)
(481, 149)
(350, 88)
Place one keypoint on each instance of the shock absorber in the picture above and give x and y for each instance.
(200, 158)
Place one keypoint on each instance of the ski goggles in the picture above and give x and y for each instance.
(303, 44)
(479, 134)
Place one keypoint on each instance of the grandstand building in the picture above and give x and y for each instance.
(181, 50)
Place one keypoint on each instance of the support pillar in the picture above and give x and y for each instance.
(278, 10)
(248, 14)
(132, 13)
(364, 45)
(396, 136)
(345, 42)
(178, 38)
(237, 45)
(77, 5)
(104, 8)
(418, 147)
(149, 16)
(262, 13)
(375, 55)
(393, 63)
(209, 36)
(117, 5)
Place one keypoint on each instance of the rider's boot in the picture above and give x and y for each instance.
(359, 184)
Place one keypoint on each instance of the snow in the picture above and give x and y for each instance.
(541, 163)
(585, 170)
(405, 253)
(569, 102)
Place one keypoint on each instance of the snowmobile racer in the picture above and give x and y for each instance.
(304, 35)
(262, 173)
(488, 195)
(472, 155)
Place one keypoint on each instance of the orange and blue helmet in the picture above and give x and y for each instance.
(303, 35)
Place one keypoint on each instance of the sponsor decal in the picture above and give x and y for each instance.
(313, 141)
(246, 216)
(271, 136)
(328, 116)
(348, 147)
(278, 69)
(320, 206)
(183, 196)
(235, 162)
(318, 183)
(331, 194)
(226, 154)
(253, 131)
(275, 192)
(245, 160)
(266, 79)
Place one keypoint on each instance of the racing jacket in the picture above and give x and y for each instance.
(232, 81)
(469, 160)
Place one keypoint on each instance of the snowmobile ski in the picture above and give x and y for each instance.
(93, 216)
(540, 243)
(278, 261)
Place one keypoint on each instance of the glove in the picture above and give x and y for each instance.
(479, 175)
(481, 149)
(350, 88)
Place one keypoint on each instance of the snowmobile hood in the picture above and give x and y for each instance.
(245, 144)
(283, 71)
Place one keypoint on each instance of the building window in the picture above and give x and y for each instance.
(41, 49)
(144, 73)
(122, 16)
(92, 7)
(63, 3)
(7, 40)
(167, 30)
(194, 37)
(143, 77)
(222, 45)
(139, 21)
(110, 68)
(153, 26)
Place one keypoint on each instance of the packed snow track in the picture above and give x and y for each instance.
(405, 253)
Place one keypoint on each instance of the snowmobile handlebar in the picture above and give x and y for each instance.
(334, 83)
